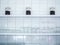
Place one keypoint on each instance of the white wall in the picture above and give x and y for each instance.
(38, 7)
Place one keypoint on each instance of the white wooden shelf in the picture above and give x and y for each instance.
(18, 34)
(31, 16)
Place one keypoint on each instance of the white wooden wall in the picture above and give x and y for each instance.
(38, 7)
